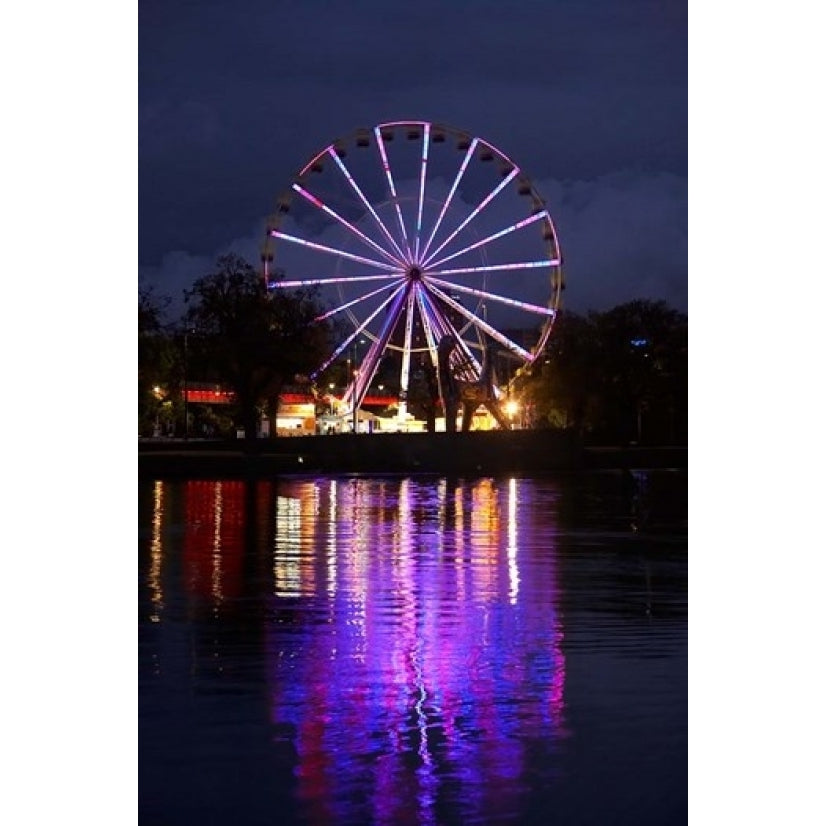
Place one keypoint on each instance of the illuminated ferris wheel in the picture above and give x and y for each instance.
(417, 233)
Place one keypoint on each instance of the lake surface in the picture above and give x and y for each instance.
(414, 650)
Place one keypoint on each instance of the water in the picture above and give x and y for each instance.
(419, 650)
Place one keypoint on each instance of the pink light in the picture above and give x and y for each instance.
(505, 181)
(523, 223)
(522, 305)
(496, 151)
(332, 250)
(314, 160)
(368, 368)
(524, 265)
(450, 194)
(403, 123)
(425, 146)
(354, 301)
(355, 230)
(442, 324)
(391, 184)
(426, 322)
(481, 324)
(340, 349)
(364, 200)
(341, 279)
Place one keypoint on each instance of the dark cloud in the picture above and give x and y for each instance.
(589, 98)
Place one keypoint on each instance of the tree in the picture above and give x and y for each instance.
(563, 392)
(643, 370)
(155, 357)
(616, 376)
(253, 340)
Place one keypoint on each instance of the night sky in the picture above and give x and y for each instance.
(589, 98)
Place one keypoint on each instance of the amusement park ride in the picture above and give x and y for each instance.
(430, 245)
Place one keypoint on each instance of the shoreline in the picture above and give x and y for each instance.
(473, 453)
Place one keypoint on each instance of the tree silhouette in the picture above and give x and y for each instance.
(253, 340)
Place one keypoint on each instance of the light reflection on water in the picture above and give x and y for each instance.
(383, 650)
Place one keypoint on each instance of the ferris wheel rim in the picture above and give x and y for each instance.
(416, 270)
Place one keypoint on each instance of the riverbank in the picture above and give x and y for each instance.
(474, 453)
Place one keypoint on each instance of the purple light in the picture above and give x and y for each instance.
(505, 181)
(450, 194)
(353, 302)
(519, 225)
(496, 151)
(444, 326)
(340, 279)
(355, 230)
(408, 338)
(364, 200)
(524, 265)
(389, 174)
(425, 146)
(392, 123)
(332, 250)
(357, 332)
(314, 160)
(522, 305)
(358, 388)
(481, 324)
(426, 321)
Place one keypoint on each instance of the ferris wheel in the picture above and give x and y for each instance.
(418, 233)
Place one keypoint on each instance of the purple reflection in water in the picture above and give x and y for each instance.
(437, 658)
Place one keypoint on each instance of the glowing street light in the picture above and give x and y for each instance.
(511, 408)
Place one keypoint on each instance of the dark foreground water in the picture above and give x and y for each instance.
(419, 650)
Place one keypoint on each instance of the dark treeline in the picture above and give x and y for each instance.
(616, 377)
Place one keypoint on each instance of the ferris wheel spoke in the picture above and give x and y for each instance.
(427, 325)
(438, 321)
(501, 299)
(432, 323)
(362, 380)
(353, 303)
(408, 342)
(459, 175)
(522, 265)
(357, 332)
(382, 265)
(481, 324)
(339, 279)
(344, 222)
(363, 198)
(485, 201)
(502, 232)
(422, 177)
(443, 326)
(391, 184)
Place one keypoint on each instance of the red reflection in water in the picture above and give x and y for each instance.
(213, 545)
(440, 657)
